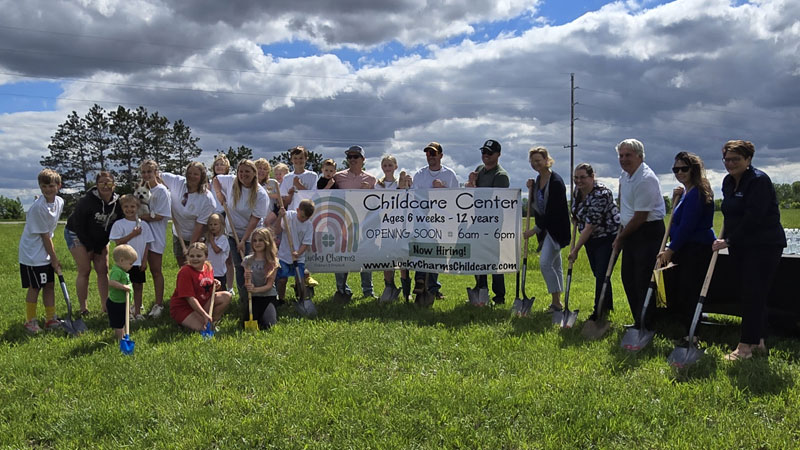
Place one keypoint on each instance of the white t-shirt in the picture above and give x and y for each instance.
(424, 177)
(42, 218)
(123, 227)
(217, 260)
(241, 211)
(640, 192)
(307, 179)
(159, 204)
(199, 206)
(302, 233)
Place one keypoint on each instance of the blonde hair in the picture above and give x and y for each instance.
(198, 245)
(282, 167)
(270, 249)
(218, 217)
(329, 162)
(153, 165)
(392, 160)
(237, 185)
(264, 164)
(128, 198)
(541, 151)
(49, 176)
(124, 252)
(224, 159)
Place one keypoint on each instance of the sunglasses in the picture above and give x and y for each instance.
(735, 159)
(353, 156)
(486, 151)
(431, 152)
(107, 184)
(684, 169)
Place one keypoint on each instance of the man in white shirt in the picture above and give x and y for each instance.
(642, 213)
(434, 175)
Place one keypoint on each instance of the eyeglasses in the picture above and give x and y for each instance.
(734, 160)
(353, 156)
(107, 184)
(486, 151)
(431, 152)
(677, 169)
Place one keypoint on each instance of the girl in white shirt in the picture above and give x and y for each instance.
(160, 206)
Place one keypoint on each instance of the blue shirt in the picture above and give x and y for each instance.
(692, 221)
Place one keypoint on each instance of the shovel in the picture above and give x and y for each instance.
(208, 331)
(522, 307)
(77, 326)
(685, 356)
(390, 293)
(567, 318)
(635, 340)
(249, 325)
(424, 297)
(478, 297)
(595, 329)
(126, 345)
(304, 306)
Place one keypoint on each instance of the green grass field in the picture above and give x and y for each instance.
(366, 376)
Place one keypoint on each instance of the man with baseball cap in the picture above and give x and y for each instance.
(354, 177)
(490, 174)
(434, 175)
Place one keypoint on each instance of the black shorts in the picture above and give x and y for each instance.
(137, 274)
(116, 314)
(36, 276)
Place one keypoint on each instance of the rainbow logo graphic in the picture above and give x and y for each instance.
(335, 226)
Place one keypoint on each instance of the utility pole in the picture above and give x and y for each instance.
(571, 145)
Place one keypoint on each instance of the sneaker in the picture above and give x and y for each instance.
(156, 311)
(310, 282)
(52, 324)
(138, 317)
(32, 326)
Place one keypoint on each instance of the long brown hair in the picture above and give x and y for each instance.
(237, 185)
(697, 174)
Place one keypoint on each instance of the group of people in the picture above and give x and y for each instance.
(256, 230)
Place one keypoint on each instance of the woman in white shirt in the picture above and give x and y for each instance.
(159, 206)
(192, 204)
(248, 205)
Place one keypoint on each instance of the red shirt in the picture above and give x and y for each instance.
(191, 283)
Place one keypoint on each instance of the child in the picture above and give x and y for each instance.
(129, 230)
(301, 236)
(260, 267)
(328, 171)
(389, 165)
(119, 287)
(191, 300)
(161, 211)
(301, 179)
(220, 248)
(37, 256)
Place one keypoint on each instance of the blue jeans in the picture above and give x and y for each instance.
(237, 265)
(366, 283)
(598, 250)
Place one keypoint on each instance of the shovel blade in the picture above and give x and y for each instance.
(683, 357)
(570, 317)
(126, 345)
(389, 295)
(79, 325)
(208, 331)
(251, 325)
(305, 308)
(69, 327)
(635, 340)
(516, 307)
(425, 299)
(558, 317)
(527, 304)
(595, 329)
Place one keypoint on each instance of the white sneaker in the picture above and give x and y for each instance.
(156, 311)
(32, 326)
(138, 318)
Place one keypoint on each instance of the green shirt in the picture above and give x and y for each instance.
(117, 274)
(496, 177)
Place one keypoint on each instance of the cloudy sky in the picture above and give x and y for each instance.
(394, 75)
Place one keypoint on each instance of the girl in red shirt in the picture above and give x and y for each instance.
(191, 300)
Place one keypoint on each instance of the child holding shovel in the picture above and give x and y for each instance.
(191, 300)
(260, 269)
(119, 287)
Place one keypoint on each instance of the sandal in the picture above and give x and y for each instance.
(85, 313)
(554, 308)
(737, 355)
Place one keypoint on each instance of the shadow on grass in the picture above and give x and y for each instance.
(87, 347)
(759, 377)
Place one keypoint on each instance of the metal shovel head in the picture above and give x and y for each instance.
(425, 299)
(305, 308)
(126, 345)
(208, 331)
(69, 327)
(516, 307)
(527, 304)
(595, 329)
(684, 356)
(472, 296)
(79, 325)
(390, 294)
(636, 339)
(251, 325)
(568, 318)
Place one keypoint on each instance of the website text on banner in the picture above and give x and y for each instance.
(463, 231)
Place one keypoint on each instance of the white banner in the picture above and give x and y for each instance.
(463, 231)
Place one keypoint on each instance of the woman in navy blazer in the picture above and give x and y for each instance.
(691, 233)
(754, 238)
(549, 205)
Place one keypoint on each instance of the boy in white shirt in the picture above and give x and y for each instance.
(37, 256)
(299, 180)
(129, 230)
(301, 231)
